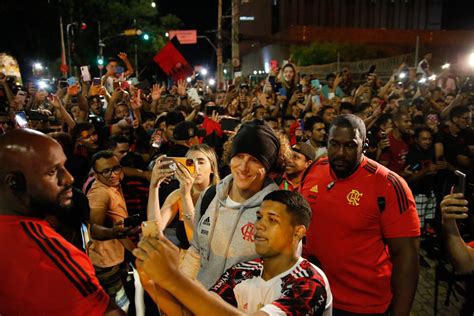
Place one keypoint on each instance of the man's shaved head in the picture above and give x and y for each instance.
(33, 178)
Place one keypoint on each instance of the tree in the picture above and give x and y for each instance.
(116, 16)
(325, 53)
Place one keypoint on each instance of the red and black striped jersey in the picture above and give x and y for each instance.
(43, 274)
(301, 290)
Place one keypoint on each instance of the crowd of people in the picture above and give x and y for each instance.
(299, 195)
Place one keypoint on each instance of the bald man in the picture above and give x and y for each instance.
(40, 272)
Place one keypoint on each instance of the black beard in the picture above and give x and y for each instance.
(42, 208)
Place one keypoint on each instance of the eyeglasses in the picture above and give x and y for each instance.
(108, 172)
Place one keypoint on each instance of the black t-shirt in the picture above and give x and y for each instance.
(453, 146)
(424, 158)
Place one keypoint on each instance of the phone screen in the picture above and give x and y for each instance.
(282, 92)
(96, 82)
(315, 84)
(461, 182)
(71, 81)
(20, 119)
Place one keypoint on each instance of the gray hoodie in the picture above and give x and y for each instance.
(224, 235)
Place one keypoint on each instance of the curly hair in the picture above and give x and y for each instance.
(283, 155)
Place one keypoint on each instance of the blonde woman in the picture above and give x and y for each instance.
(176, 216)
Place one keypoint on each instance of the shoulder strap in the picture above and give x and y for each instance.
(207, 198)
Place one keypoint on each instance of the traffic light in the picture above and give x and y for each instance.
(100, 61)
(146, 37)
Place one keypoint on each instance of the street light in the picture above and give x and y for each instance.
(204, 71)
(37, 66)
(212, 82)
(471, 59)
(445, 66)
(153, 4)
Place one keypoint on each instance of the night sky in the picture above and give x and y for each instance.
(25, 23)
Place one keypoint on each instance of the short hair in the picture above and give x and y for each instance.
(347, 106)
(79, 128)
(298, 208)
(362, 107)
(324, 109)
(397, 116)
(329, 76)
(288, 118)
(116, 139)
(174, 117)
(350, 121)
(384, 118)
(269, 118)
(310, 121)
(148, 116)
(112, 59)
(421, 129)
(103, 154)
(458, 111)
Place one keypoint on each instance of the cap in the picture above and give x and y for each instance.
(186, 130)
(305, 149)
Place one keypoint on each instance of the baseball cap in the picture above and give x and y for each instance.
(304, 149)
(186, 129)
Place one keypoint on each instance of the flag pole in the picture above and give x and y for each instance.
(63, 66)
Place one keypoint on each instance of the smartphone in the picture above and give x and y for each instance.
(372, 69)
(96, 81)
(131, 114)
(21, 96)
(315, 84)
(187, 162)
(383, 134)
(299, 88)
(282, 92)
(63, 84)
(150, 229)
(34, 115)
(116, 85)
(274, 64)
(460, 186)
(316, 99)
(331, 95)
(132, 220)
(119, 70)
(85, 74)
(229, 124)
(415, 167)
(20, 119)
(71, 81)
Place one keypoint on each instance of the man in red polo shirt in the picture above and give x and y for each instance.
(365, 228)
(40, 272)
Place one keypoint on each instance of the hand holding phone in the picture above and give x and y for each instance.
(132, 220)
(85, 74)
(150, 229)
(20, 119)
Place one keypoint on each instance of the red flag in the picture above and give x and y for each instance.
(173, 63)
(63, 68)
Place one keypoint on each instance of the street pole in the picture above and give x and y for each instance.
(219, 45)
(235, 35)
(69, 49)
(101, 49)
(417, 50)
(136, 50)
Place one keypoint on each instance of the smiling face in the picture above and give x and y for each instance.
(275, 231)
(248, 173)
(296, 164)
(288, 74)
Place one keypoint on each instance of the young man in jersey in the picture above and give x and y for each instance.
(41, 272)
(280, 282)
(359, 208)
(302, 155)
